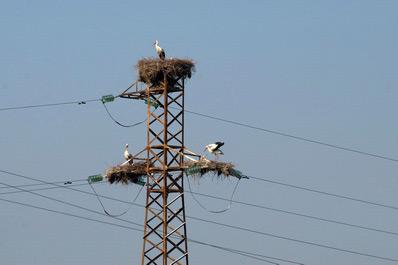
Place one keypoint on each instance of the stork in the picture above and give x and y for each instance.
(214, 149)
(159, 50)
(127, 154)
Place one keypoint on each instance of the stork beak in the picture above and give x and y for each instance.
(205, 149)
(154, 43)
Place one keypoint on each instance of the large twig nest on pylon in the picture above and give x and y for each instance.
(153, 70)
(126, 174)
(208, 166)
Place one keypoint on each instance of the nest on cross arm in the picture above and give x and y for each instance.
(126, 174)
(153, 70)
(201, 168)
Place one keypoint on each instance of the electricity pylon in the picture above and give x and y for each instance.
(165, 240)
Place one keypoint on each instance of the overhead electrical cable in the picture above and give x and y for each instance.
(43, 184)
(217, 198)
(118, 123)
(293, 136)
(213, 211)
(115, 215)
(44, 188)
(295, 240)
(245, 252)
(227, 121)
(209, 196)
(300, 215)
(51, 105)
(255, 232)
(67, 203)
(326, 193)
(235, 251)
(256, 178)
(68, 214)
(238, 252)
(238, 228)
(82, 102)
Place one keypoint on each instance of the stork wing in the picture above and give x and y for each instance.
(162, 55)
(219, 144)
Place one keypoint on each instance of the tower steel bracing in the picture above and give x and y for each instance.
(165, 240)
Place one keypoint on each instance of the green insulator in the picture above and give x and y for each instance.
(237, 173)
(152, 103)
(193, 170)
(108, 98)
(141, 182)
(95, 178)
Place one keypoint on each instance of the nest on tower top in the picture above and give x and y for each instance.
(126, 174)
(200, 168)
(153, 70)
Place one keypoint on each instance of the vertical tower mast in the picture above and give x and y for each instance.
(164, 240)
(165, 226)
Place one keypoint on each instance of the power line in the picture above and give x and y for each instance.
(68, 182)
(242, 229)
(37, 180)
(251, 177)
(66, 203)
(257, 128)
(227, 121)
(247, 253)
(70, 103)
(223, 199)
(205, 208)
(82, 102)
(326, 193)
(68, 214)
(301, 215)
(115, 215)
(294, 240)
(118, 123)
(40, 189)
(292, 136)
(213, 197)
(248, 230)
(238, 252)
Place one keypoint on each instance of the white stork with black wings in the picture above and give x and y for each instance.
(159, 50)
(215, 149)
(127, 154)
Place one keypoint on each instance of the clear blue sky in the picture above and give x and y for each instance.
(321, 70)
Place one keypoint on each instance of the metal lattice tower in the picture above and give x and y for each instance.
(165, 240)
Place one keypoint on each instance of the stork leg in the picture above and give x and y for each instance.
(216, 157)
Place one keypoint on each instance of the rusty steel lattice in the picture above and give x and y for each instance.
(165, 240)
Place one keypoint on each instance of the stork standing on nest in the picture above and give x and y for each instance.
(214, 149)
(127, 154)
(159, 50)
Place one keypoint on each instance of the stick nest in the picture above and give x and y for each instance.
(126, 174)
(207, 166)
(152, 70)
